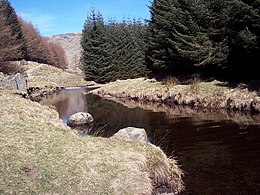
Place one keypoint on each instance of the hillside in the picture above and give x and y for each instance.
(71, 44)
(41, 75)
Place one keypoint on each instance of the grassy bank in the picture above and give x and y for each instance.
(44, 79)
(213, 94)
(42, 75)
(39, 155)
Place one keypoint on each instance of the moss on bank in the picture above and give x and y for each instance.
(198, 94)
(39, 155)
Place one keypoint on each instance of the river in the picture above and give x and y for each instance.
(219, 151)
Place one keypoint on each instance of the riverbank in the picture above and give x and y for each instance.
(243, 119)
(44, 79)
(212, 95)
(41, 155)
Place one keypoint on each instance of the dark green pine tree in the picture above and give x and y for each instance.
(125, 50)
(183, 34)
(178, 36)
(114, 39)
(158, 55)
(128, 52)
(244, 39)
(95, 56)
(137, 32)
(114, 50)
(195, 38)
(11, 20)
(123, 54)
(128, 57)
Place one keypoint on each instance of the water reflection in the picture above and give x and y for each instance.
(218, 150)
(67, 102)
(110, 116)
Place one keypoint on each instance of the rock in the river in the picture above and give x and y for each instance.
(80, 119)
(16, 82)
(131, 133)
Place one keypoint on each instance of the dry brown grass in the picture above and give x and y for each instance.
(170, 81)
(201, 94)
(141, 88)
(40, 75)
(39, 155)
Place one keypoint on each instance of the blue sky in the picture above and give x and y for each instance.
(62, 16)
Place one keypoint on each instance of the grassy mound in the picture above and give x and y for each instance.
(41, 75)
(39, 155)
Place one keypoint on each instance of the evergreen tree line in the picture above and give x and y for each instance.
(183, 37)
(112, 50)
(208, 36)
(21, 40)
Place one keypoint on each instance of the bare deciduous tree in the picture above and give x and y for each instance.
(7, 50)
(57, 55)
(39, 49)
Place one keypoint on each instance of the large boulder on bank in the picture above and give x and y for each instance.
(131, 133)
(80, 119)
(16, 82)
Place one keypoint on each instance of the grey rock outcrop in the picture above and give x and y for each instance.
(16, 82)
(80, 119)
(23, 62)
(131, 133)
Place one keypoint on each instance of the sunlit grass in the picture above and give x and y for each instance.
(212, 94)
(39, 155)
(41, 75)
(170, 81)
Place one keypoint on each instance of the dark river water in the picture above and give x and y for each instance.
(219, 151)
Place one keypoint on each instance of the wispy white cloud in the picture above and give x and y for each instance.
(44, 22)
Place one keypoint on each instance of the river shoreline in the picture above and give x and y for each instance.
(177, 129)
(37, 93)
(46, 155)
(210, 95)
(152, 171)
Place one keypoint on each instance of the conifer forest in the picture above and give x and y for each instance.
(219, 39)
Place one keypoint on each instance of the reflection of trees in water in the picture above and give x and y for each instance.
(66, 102)
(244, 119)
(110, 116)
(217, 155)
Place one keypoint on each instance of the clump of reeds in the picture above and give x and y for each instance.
(170, 81)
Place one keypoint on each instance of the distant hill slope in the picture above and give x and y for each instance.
(71, 44)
